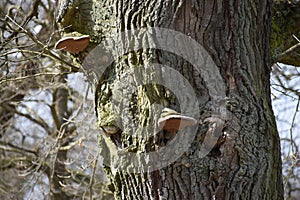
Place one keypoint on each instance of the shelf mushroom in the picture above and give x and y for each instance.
(73, 44)
(173, 121)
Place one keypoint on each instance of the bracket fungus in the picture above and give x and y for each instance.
(110, 130)
(173, 121)
(73, 44)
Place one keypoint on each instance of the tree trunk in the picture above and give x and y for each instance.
(58, 173)
(234, 152)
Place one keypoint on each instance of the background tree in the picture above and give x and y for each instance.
(44, 154)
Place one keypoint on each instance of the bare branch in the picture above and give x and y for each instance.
(45, 48)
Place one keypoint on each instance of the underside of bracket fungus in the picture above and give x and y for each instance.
(173, 121)
(73, 44)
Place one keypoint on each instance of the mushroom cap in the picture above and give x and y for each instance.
(174, 123)
(168, 111)
(73, 44)
(111, 129)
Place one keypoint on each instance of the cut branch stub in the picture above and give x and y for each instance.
(73, 44)
(175, 122)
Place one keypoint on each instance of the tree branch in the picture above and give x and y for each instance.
(285, 25)
(16, 149)
(72, 68)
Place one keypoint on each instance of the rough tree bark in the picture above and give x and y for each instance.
(246, 164)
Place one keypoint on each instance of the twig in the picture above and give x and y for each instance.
(32, 13)
(289, 50)
(44, 47)
(38, 121)
(293, 123)
(13, 148)
(92, 180)
(29, 76)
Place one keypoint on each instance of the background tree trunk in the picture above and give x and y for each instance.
(246, 164)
